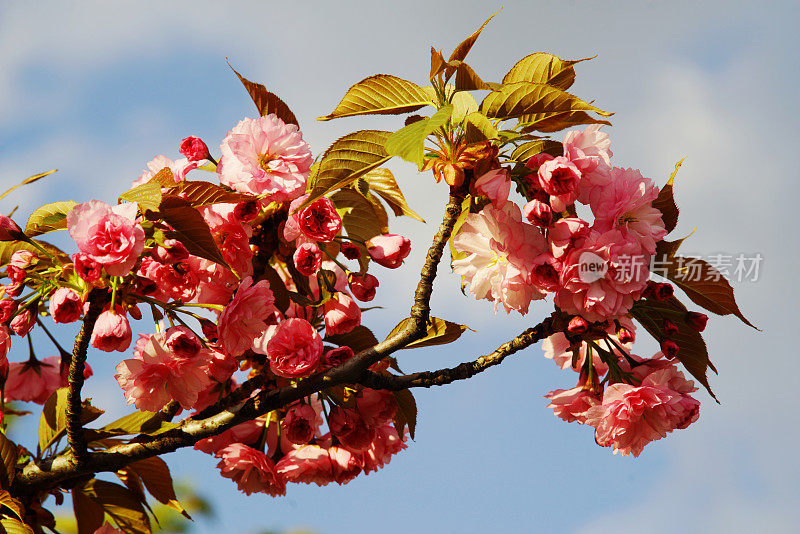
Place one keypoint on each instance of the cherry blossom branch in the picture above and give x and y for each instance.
(464, 370)
(77, 364)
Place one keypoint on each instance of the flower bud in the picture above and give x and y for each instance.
(112, 332)
(389, 250)
(23, 322)
(194, 149)
(87, 268)
(669, 348)
(625, 336)
(182, 342)
(7, 309)
(308, 259)
(342, 314)
(66, 305)
(172, 251)
(663, 291)
(246, 211)
(538, 213)
(577, 325)
(670, 328)
(696, 320)
(9, 230)
(363, 286)
(333, 357)
(299, 424)
(376, 407)
(350, 251)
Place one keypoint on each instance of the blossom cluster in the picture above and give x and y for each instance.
(280, 288)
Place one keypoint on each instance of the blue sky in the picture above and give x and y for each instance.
(97, 89)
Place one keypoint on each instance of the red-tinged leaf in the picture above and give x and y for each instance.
(461, 51)
(155, 475)
(692, 351)
(278, 288)
(468, 80)
(380, 94)
(541, 67)
(406, 412)
(526, 151)
(9, 525)
(9, 454)
(665, 203)
(88, 514)
(121, 504)
(265, 101)
(53, 422)
(360, 338)
(437, 62)
(200, 193)
(702, 283)
(189, 228)
(382, 182)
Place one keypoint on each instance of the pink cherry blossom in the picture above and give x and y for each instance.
(334, 357)
(85, 267)
(376, 407)
(157, 375)
(7, 309)
(294, 349)
(495, 185)
(178, 280)
(565, 233)
(318, 221)
(194, 148)
(109, 235)
(389, 250)
(500, 251)
(33, 380)
(363, 286)
(538, 213)
(598, 295)
(572, 404)
(246, 433)
(630, 417)
(252, 471)
(342, 314)
(23, 322)
(350, 429)
(386, 444)
(112, 332)
(559, 178)
(231, 236)
(5, 346)
(300, 423)
(314, 464)
(216, 283)
(66, 305)
(627, 204)
(588, 149)
(265, 156)
(22, 259)
(179, 168)
(244, 320)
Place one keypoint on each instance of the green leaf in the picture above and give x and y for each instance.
(265, 101)
(541, 67)
(406, 412)
(154, 474)
(141, 422)
(382, 182)
(381, 94)
(53, 422)
(463, 102)
(121, 504)
(9, 525)
(358, 339)
(665, 202)
(164, 178)
(692, 351)
(189, 228)
(526, 151)
(49, 218)
(541, 107)
(28, 180)
(9, 454)
(440, 332)
(479, 128)
(346, 160)
(409, 142)
(200, 193)
(147, 195)
(461, 51)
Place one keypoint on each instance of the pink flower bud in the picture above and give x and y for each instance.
(670, 328)
(351, 430)
(335, 357)
(625, 336)
(389, 250)
(172, 251)
(308, 259)
(577, 325)
(23, 322)
(363, 286)
(87, 268)
(209, 329)
(194, 148)
(9, 230)
(696, 320)
(376, 407)
(23, 259)
(7, 309)
(295, 348)
(350, 251)
(538, 213)
(534, 162)
(669, 348)
(299, 424)
(318, 221)
(112, 332)
(66, 305)
(342, 314)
